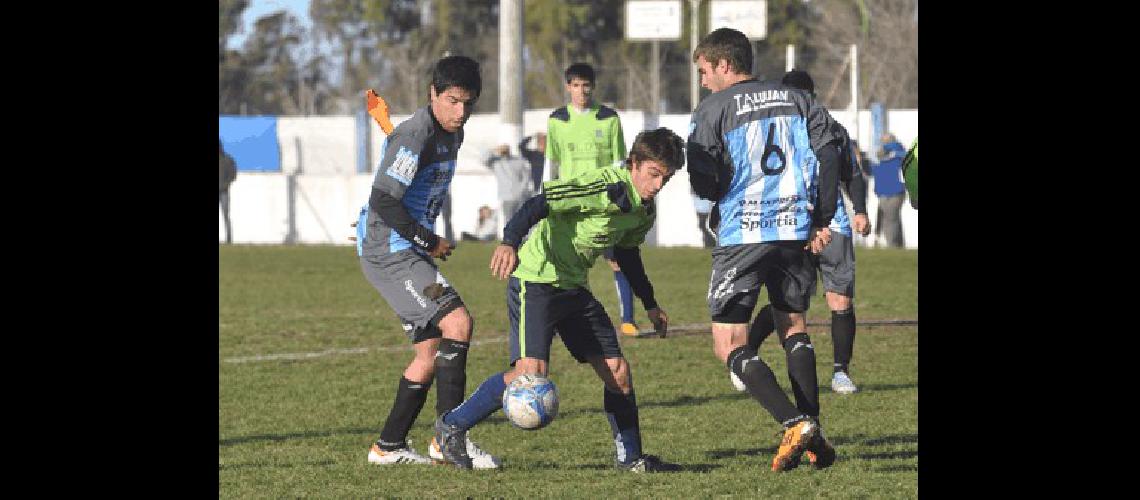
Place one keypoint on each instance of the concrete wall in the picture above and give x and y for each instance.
(317, 205)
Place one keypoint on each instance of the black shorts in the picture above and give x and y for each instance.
(738, 271)
(537, 309)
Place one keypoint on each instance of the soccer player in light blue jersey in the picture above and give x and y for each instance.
(396, 244)
(766, 154)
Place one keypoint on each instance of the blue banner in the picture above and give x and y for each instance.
(252, 141)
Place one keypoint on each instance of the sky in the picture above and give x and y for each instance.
(259, 8)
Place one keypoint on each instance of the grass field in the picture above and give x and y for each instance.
(309, 356)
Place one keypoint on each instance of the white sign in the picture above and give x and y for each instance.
(653, 20)
(747, 16)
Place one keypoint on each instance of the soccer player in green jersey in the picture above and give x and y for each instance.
(577, 219)
(582, 137)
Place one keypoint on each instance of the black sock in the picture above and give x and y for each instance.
(761, 328)
(761, 384)
(843, 336)
(410, 397)
(450, 374)
(801, 370)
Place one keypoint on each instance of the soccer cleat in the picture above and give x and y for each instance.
(820, 452)
(842, 384)
(453, 444)
(629, 329)
(401, 456)
(796, 439)
(479, 458)
(648, 463)
(736, 382)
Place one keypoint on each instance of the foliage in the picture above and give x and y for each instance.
(390, 45)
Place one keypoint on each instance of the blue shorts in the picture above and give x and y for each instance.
(537, 310)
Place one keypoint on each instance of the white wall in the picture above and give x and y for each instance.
(328, 194)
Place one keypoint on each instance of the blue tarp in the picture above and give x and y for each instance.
(252, 141)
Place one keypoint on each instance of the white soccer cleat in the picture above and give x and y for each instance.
(401, 456)
(842, 384)
(479, 458)
(736, 382)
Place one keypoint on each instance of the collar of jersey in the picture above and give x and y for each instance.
(591, 109)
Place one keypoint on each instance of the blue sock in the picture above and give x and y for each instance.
(488, 398)
(625, 296)
(621, 411)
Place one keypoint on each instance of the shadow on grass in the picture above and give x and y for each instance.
(292, 435)
(222, 467)
(872, 387)
(838, 442)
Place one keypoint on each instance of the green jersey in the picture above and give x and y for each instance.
(580, 142)
(910, 173)
(587, 214)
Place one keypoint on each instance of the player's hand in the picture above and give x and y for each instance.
(442, 249)
(504, 261)
(861, 224)
(660, 320)
(820, 238)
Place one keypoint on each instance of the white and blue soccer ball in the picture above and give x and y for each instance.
(530, 402)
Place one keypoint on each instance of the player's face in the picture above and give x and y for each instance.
(710, 78)
(649, 177)
(580, 91)
(452, 107)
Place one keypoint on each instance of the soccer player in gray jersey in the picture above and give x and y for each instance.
(836, 263)
(396, 244)
(765, 153)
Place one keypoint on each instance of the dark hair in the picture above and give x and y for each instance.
(660, 145)
(799, 79)
(726, 44)
(457, 71)
(580, 70)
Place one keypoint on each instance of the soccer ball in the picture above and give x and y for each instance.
(531, 402)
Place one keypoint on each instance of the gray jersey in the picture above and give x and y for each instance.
(759, 140)
(417, 167)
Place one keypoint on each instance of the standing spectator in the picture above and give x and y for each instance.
(485, 228)
(512, 175)
(890, 190)
(586, 136)
(704, 207)
(536, 157)
(227, 172)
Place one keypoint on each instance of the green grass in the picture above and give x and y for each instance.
(302, 427)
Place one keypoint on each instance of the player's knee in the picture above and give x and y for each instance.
(526, 366)
(838, 302)
(457, 325)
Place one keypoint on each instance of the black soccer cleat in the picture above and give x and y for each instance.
(820, 452)
(648, 463)
(452, 443)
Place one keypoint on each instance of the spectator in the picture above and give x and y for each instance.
(536, 157)
(890, 190)
(513, 176)
(227, 172)
(485, 228)
(704, 207)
